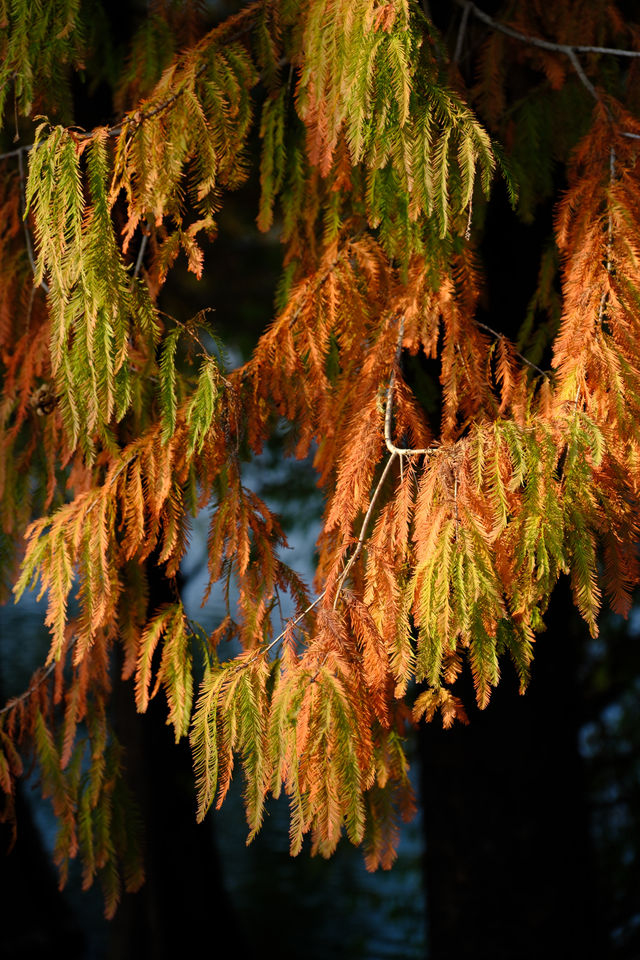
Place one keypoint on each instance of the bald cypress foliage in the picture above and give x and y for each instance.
(441, 543)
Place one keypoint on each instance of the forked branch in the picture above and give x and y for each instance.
(570, 50)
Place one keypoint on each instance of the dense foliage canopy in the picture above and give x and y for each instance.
(449, 515)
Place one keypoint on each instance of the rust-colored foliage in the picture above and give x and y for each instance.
(441, 542)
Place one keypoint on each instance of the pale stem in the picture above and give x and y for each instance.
(568, 49)
(539, 41)
(30, 690)
(27, 234)
(462, 29)
(141, 253)
(521, 356)
(291, 624)
(364, 527)
(391, 447)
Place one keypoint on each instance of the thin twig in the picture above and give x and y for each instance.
(116, 129)
(279, 605)
(141, 253)
(501, 336)
(467, 233)
(568, 49)
(395, 452)
(136, 118)
(604, 298)
(290, 625)
(565, 48)
(27, 234)
(605, 293)
(17, 152)
(14, 701)
(15, 116)
(455, 500)
(461, 32)
(584, 79)
(133, 118)
(363, 528)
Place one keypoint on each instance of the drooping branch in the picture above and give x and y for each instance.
(137, 117)
(291, 623)
(566, 48)
(141, 253)
(570, 50)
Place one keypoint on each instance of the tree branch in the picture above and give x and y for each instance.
(290, 624)
(391, 447)
(363, 528)
(521, 356)
(27, 234)
(584, 79)
(462, 29)
(141, 253)
(138, 117)
(566, 48)
(41, 678)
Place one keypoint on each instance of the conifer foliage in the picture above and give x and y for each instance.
(443, 536)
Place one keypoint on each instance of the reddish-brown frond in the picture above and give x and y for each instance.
(430, 701)
(362, 451)
(375, 659)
